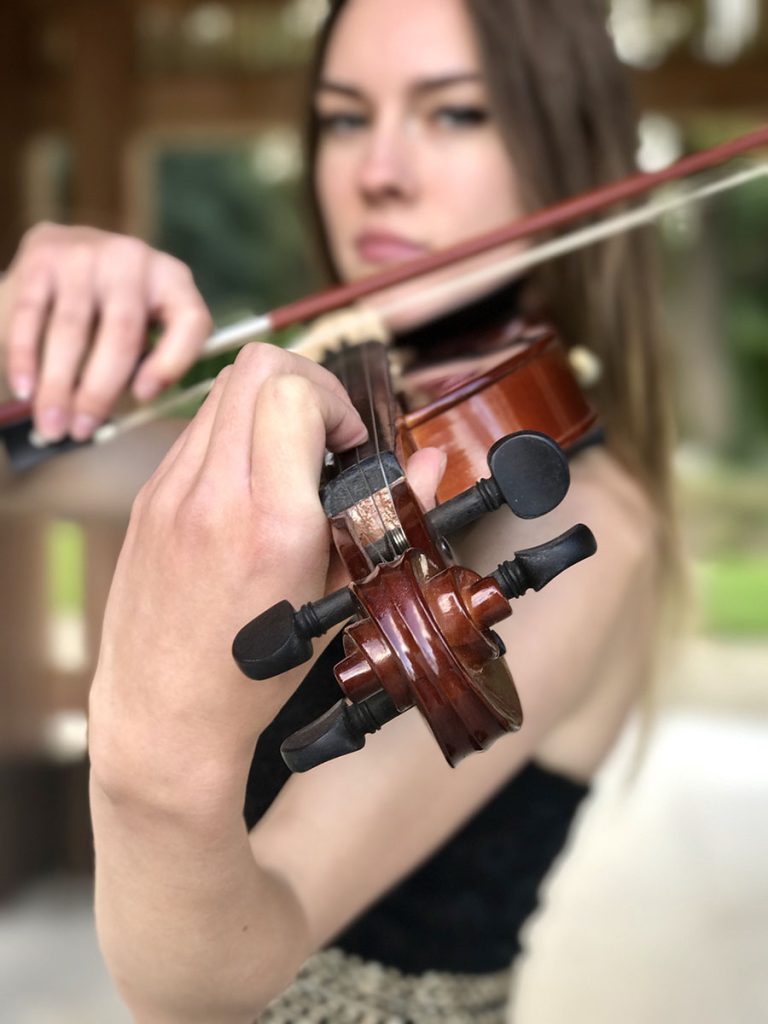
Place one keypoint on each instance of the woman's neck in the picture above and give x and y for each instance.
(490, 322)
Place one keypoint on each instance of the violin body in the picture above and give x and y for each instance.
(464, 414)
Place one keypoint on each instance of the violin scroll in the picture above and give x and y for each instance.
(422, 634)
(344, 727)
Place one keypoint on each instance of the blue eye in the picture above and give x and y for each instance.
(460, 116)
(341, 123)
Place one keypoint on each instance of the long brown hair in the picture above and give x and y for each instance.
(562, 101)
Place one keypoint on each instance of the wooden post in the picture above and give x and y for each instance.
(14, 124)
(101, 108)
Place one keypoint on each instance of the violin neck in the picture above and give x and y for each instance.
(364, 372)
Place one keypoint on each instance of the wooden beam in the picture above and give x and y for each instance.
(685, 86)
(195, 99)
(242, 98)
(173, 101)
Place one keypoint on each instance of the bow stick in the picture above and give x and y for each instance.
(545, 220)
(315, 342)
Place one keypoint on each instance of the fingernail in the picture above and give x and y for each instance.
(23, 386)
(52, 424)
(83, 426)
(147, 389)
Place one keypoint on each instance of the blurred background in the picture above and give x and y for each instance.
(179, 121)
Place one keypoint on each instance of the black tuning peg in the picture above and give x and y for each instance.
(529, 473)
(281, 637)
(534, 568)
(341, 730)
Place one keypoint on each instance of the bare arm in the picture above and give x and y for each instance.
(369, 819)
(197, 920)
(192, 927)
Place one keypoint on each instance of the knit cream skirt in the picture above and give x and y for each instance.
(334, 988)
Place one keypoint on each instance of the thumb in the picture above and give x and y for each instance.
(424, 471)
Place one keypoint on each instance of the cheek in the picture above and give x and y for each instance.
(335, 194)
(480, 189)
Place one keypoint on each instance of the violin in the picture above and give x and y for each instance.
(421, 631)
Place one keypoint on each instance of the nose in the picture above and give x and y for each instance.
(388, 171)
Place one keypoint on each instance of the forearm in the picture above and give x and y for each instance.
(5, 302)
(191, 928)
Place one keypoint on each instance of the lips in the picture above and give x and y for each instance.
(380, 248)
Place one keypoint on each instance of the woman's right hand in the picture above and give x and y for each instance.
(76, 306)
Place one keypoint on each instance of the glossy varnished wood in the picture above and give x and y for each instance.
(532, 390)
(416, 620)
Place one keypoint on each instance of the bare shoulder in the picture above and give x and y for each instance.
(622, 516)
(604, 490)
(562, 643)
(580, 649)
(627, 526)
(604, 496)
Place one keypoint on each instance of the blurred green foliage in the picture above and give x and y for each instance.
(243, 237)
(724, 510)
(741, 224)
(734, 596)
(65, 560)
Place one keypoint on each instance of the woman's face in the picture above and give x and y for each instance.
(409, 159)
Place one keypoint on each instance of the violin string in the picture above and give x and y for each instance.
(392, 547)
(377, 450)
(342, 360)
(343, 376)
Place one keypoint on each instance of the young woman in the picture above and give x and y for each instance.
(431, 121)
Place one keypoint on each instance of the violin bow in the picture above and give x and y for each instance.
(315, 343)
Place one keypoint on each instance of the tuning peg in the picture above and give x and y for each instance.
(281, 637)
(534, 568)
(341, 730)
(529, 473)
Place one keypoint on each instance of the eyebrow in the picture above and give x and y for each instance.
(424, 85)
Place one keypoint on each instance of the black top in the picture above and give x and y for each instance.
(463, 909)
